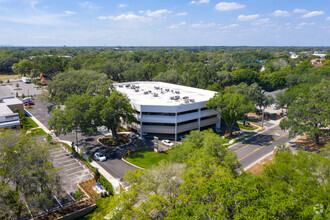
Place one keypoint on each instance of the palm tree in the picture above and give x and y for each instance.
(281, 148)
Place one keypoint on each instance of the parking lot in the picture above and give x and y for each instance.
(71, 170)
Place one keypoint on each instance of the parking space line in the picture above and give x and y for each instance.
(66, 170)
(77, 173)
(59, 154)
(71, 196)
(58, 201)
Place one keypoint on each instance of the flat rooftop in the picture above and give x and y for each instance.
(163, 94)
(4, 102)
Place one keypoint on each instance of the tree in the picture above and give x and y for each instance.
(281, 148)
(115, 111)
(231, 106)
(76, 114)
(97, 175)
(71, 82)
(245, 75)
(309, 113)
(23, 67)
(170, 76)
(27, 174)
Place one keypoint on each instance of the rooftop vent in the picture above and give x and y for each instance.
(155, 94)
(192, 100)
(185, 97)
(172, 97)
(167, 90)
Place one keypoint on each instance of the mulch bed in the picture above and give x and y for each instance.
(109, 142)
(67, 210)
(87, 186)
(308, 143)
(258, 167)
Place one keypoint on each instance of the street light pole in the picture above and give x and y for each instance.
(262, 121)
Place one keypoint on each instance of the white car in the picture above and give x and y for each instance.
(167, 143)
(99, 156)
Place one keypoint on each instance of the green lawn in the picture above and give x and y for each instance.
(249, 127)
(146, 158)
(29, 125)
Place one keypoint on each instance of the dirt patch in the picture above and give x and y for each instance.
(258, 167)
(6, 77)
(309, 144)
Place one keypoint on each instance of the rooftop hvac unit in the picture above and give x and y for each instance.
(192, 100)
(167, 90)
(127, 85)
(146, 92)
(120, 86)
(185, 97)
(136, 90)
(155, 94)
(177, 97)
(137, 87)
(156, 87)
(177, 92)
(172, 97)
(186, 100)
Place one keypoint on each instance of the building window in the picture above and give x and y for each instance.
(158, 113)
(188, 122)
(158, 124)
(204, 109)
(208, 117)
(187, 112)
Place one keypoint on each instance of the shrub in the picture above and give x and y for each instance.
(78, 195)
(49, 138)
(23, 96)
(106, 184)
(97, 175)
(89, 159)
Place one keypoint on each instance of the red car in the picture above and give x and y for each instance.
(28, 103)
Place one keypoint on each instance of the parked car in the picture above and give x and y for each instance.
(276, 107)
(27, 99)
(131, 136)
(28, 103)
(167, 143)
(99, 156)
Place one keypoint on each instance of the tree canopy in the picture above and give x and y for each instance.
(27, 175)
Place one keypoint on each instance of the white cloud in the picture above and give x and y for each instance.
(228, 6)
(287, 24)
(229, 26)
(247, 17)
(298, 10)
(157, 13)
(328, 19)
(199, 2)
(70, 12)
(312, 14)
(176, 26)
(181, 13)
(89, 5)
(122, 5)
(261, 21)
(279, 13)
(201, 25)
(305, 24)
(125, 17)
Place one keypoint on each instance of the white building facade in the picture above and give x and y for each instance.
(8, 117)
(164, 108)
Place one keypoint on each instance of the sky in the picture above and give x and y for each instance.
(165, 23)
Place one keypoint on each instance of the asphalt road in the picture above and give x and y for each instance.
(251, 150)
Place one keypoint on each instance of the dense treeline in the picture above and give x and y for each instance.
(211, 68)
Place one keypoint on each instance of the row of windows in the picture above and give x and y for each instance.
(181, 123)
(171, 114)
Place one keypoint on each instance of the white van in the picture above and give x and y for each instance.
(25, 80)
(27, 99)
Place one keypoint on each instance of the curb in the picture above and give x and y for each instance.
(132, 164)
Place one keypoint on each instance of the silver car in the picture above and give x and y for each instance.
(99, 156)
